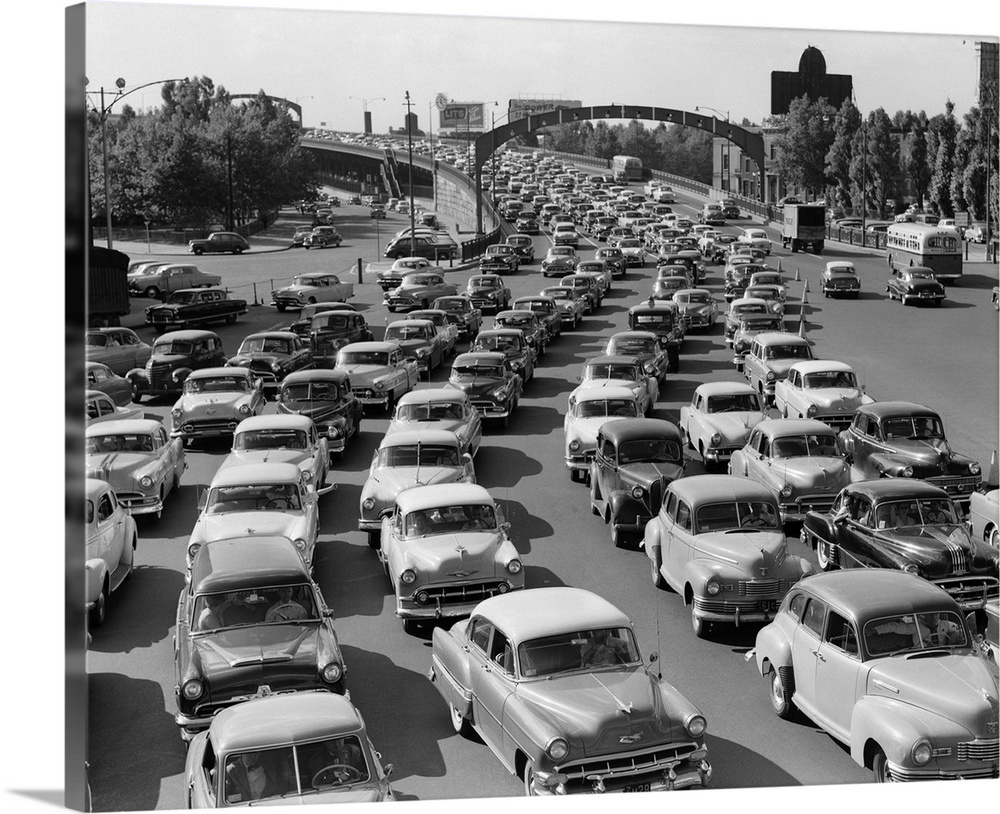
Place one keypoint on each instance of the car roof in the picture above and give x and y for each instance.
(371, 346)
(586, 393)
(227, 565)
(443, 494)
(619, 359)
(190, 334)
(271, 335)
(124, 425)
(314, 375)
(701, 489)
(210, 372)
(283, 719)
(537, 612)
(871, 593)
(780, 427)
(629, 429)
(401, 438)
(781, 337)
(623, 335)
(247, 474)
(423, 323)
(821, 366)
(436, 395)
(887, 409)
(897, 488)
(489, 356)
(275, 421)
(747, 301)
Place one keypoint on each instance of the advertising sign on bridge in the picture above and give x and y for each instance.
(463, 116)
(520, 108)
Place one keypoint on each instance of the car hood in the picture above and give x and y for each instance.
(262, 456)
(586, 429)
(938, 550)
(780, 367)
(254, 524)
(958, 686)
(116, 467)
(473, 291)
(629, 383)
(465, 553)
(478, 386)
(597, 710)
(171, 359)
(387, 483)
(840, 399)
(260, 648)
(244, 359)
(733, 427)
(203, 402)
(758, 553)
(925, 452)
(364, 374)
(316, 410)
(459, 427)
(648, 472)
(815, 472)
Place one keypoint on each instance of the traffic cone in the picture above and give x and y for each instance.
(805, 294)
(802, 328)
(779, 265)
(797, 278)
(992, 477)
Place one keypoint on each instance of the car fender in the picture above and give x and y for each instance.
(651, 541)
(137, 376)
(181, 374)
(450, 670)
(96, 571)
(772, 649)
(624, 507)
(894, 725)
(886, 465)
(697, 573)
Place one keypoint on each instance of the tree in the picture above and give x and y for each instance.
(838, 157)
(804, 142)
(882, 160)
(946, 131)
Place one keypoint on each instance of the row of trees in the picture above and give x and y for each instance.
(198, 160)
(868, 163)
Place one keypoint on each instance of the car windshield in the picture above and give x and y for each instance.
(912, 513)
(363, 357)
(633, 347)
(492, 342)
(738, 516)
(562, 294)
(517, 320)
(434, 411)
(830, 378)
(606, 407)
(612, 371)
(405, 332)
(487, 371)
(177, 346)
(800, 446)
(914, 632)
(733, 403)
(255, 606)
(651, 450)
(912, 428)
(311, 391)
(307, 281)
(789, 352)
(254, 497)
(119, 442)
(664, 320)
(96, 340)
(265, 344)
(330, 322)
(698, 297)
(419, 455)
(577, 650)
(484, 282)
(217, 384)
(559, 251)
(450, 519)
(270, 439)
(182, 297)
(754, 308)
(757, 326)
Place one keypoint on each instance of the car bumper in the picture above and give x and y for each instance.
(367, 395)
(137, 503)
(449, 600)
(205, 429)
(581, 463)
(625, 772)
(719, 454)
(762, 609)
(490, 409)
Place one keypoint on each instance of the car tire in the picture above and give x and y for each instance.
(573, 476)
(280, 307)
(411, 627)
(230, 319)
(993, 538)
(238, 250)
(529, 776)
(152, 292)
(880, 767)
(100, 610)
(781, 699)
(198, 251)
(459, 723)
(826, 555)
(375, 539)
(617, 536)
(658, 581)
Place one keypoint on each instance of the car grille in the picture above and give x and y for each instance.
(839, 421)
(804, 503)
(978, 750)
(485, 406)
(761, 587)
(969, 592)
(222, 425)
(958, 486)
(136, 500)
(368, 393)
(291, 302)
(460, 594)
(624, 765)
(159, 317)
(160, 376)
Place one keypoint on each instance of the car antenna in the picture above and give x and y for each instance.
(659, 664)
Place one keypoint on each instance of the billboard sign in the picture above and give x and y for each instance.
(462, 116)
(521, 108)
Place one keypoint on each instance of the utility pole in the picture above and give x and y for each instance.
(409, 144)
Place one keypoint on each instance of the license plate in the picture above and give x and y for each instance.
(639, 787)
(767, 605)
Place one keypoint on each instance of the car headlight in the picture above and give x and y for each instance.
(192, 689)
(275, 366)
(638, 492)
(380, 385)
(906, 472)
(368, 504)
(335, 432)
(498, 392)
(307, 477)
(176, 413)
(696, 726)
(811, 410)
(145, 482)
(974, 468)
(557, 749)
(408, 577)
(193, 549)
(921, 752)
(299, 543)
(786, 490)
(770, 376)
(244, 409)
(422, 352)
(514, 567)
(911, 568)
(712, 587)
(574, 446)
(715, 440)
(332, 672)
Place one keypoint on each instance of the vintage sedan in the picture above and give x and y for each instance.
(543, 676)
(328, 331)
(628, 371)
(652, 350)
(444, 408)
(488, 292)
(588, 409)
(448, 332)
(840, 279)
(599, 270)
(750, 326)
(773, 295)
(984, 516)
(219, 242)
(613, 259)
(738, 310)
(327, 398)
(528, 323)
(140, 461)
(303, 324)
(379, 372)
(405, 459)
(635, 461)
(827, 391)
(102, 379)
(308, 289)
(272, 355)
(445, 548)
(419, 340)
(462, 313)
(755, 237)
(214, 401)
(559, 260)
(719, 418)
(268, 499)
(98, 407)
(322, 236)
(119, 349)
(799, 459)
(418, 289)
(499, 258)
(513, 344)
(665, 288)
(717, 541)
(522, 243)
(244, 624)
(109, 556)
(770, 357)
(571, 306)
(908, 526)
(886, 664)
(312, 746)
(697, 308)
(390, 278)
(546, 310)
(586, 288)
(899, 439)
(490, 382)
(915, 285)
(289, 438)
(195, 306)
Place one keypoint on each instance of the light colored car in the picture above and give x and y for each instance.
(321, 237)
(419, 340)
(885, 663)
(310, 288)
(100, 377)
(757, 238)
(318, 739)
(664, 194)
(444, 408)
(111, 540)
(770, 357)
(418, 289)
(379, 372)
(119, 349)
(565, 234)
(283, 437)
(717, 542)
(559, 260)
(214, 400)
(975, 234)
(840, 279)
(697, 308)
(607, 371)
(157, 279)
(773, 295)
(738, 310)
(984, 516)
(799, 459)
(824, 390)
(393, 276)
(570, 305)
(588, 409)
(719, 418)
(405, 459)
(140, 461)
(99, 407)
(445, 548)
(570, 660)
(270, 499)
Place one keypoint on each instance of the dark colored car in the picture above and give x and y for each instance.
(462, 311)
(330, 330)
(220, 242)
(523, 246)
(272, 355)
(636, 459)
(490, 382)
(250, 616)
(500, 258)
(547, 311)
(191, 306)
(528, 322)
(488, 292)
(908, 526)
(513, 344)
(663, 319)
(899, 439)
(174, 355)
(915, 285)
(325, 396)
(613, 259)
(646, 346)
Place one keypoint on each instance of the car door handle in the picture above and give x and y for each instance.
(818, 655)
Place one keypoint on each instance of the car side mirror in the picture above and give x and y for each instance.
(202, 499)
(388, 769)
(654, 657)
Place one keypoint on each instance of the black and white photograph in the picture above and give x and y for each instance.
(535, 401)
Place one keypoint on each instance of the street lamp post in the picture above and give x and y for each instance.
(364, 106)
(409, 144)
(729, 155)
(104, 112)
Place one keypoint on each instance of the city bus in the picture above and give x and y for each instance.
(626, 168)
(921, 244)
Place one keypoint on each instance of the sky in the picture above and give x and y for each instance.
(338, 62)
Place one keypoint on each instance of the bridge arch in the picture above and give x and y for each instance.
(752, 144)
